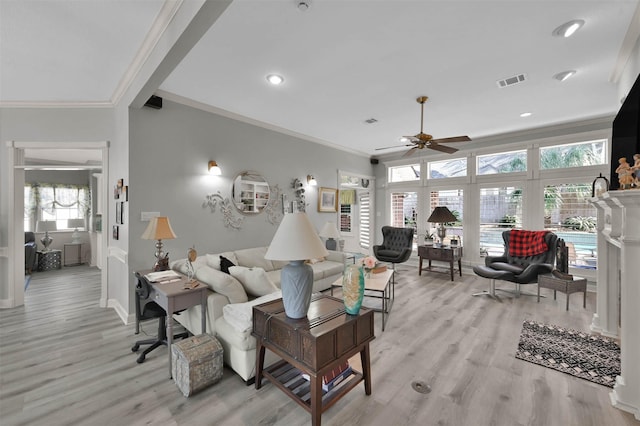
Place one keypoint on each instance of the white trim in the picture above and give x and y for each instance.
(120, 311)
(59, 145)
(628, 44)
(151, 40)
(232, 115)
(7, 303)
(119, 254)
(56, 104)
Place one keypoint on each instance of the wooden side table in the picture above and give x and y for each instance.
(448, 254)
(50, 259)
(565, 286)
(174, 296)
(312, 345)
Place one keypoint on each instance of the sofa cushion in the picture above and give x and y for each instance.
(239, 315)
(254, 280)
(242, 341)
(279, 264)
(326, 269)
(254, 257)
(274, 276)
(213, 260)
(222, 283)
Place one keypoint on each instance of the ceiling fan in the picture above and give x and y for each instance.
(422, 140)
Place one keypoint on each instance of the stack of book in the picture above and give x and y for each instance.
(334, 377)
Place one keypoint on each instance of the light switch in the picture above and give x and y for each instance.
(146, 216)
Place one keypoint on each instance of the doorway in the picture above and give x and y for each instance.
(50, 156)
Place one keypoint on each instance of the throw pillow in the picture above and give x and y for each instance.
(222, 283)
(225, 264)
(213, 260)
(255, 281)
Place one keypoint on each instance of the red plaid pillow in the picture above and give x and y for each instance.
(526, 243)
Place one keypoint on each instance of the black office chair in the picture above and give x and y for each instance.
(146, 309)
(30, 252)
(396, 247)
(517, 269)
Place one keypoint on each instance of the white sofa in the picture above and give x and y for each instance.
(240, 290)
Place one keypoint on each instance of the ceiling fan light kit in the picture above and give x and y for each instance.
(422, 140)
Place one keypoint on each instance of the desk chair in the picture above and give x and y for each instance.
(146, 309)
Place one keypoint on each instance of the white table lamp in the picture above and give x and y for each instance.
(331, 233)
(296, 241)
(75, 223)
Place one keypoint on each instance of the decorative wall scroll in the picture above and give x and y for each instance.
(226, 207)
(273, 207)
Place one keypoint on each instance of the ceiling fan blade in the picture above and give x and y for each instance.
(452, 139)
(411, 151)
(389, 147)
(442, 148)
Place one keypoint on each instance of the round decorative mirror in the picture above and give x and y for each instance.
(250, 192)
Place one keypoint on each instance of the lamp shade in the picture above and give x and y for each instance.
(75, 223)
(295, 239)
(329, 230)
(46, 226)
(159, 228)
(441, 214)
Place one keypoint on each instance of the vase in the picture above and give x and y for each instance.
(353, 288)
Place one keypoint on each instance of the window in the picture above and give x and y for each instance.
(54, 202)
(506, 162)
(447, 168)
(569, 214)
(346, 218)
(453, 200)
(573, 155)
(365, 219)
(404, 210)
(404, 173)
(500, 209)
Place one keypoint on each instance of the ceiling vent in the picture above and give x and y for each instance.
(510, 81)
(370, 121)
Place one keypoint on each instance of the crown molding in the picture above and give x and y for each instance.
(56, 104)
(232, 115)
(628, 44)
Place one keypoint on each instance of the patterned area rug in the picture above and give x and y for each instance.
(590, 357)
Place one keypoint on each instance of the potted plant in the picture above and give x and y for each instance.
(428, 238)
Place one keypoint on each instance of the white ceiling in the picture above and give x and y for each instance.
(343, 62)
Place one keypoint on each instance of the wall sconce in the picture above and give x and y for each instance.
(214, 169)
(311, 181)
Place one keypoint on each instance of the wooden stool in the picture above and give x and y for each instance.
(565, 286)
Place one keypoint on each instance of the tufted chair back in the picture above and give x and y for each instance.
(396, 246)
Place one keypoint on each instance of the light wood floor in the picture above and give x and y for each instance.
(66, 361)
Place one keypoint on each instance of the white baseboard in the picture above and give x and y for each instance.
(7, 303)
(122, 313)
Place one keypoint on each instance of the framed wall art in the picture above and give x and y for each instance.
(327, 200)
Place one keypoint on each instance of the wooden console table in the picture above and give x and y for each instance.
(313, 345)
(448, 254)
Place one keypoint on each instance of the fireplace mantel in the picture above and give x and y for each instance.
(618, 303)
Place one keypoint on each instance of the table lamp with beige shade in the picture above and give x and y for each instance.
(159, 229)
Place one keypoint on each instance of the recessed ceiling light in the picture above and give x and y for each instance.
(526, 114)
(275, 79)
(562, 76)
(568, 29)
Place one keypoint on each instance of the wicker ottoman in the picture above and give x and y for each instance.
(196, 363)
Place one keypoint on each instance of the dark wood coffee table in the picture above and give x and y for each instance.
(312, 345)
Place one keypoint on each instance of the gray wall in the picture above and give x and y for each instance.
(168, 152)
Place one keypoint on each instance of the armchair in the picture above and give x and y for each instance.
(30, 250)
(532, 253)
(397, 245)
